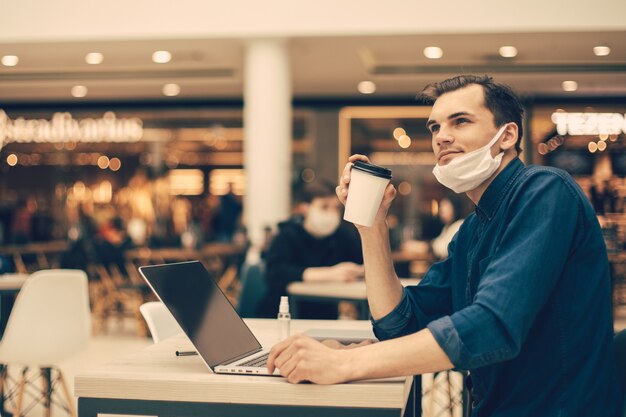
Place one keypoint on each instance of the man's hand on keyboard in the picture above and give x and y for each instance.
(301, 358)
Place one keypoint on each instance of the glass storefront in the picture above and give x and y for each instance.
(177, 168)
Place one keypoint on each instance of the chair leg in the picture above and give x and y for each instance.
(431, 395)
(46, 377)
(20, 394)
(449, 389)
(3, 376)
(66, 392)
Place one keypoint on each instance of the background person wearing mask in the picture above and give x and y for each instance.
(317, 246)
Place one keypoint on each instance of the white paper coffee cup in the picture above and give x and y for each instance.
(367, 187)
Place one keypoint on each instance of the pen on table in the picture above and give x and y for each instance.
(186, 352)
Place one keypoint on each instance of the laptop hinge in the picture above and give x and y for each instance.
(240, 357)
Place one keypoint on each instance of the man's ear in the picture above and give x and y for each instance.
(509, 137)
(304, 209)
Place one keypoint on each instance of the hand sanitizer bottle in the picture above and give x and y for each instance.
(284, 318)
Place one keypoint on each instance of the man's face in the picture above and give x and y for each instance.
(460, 123)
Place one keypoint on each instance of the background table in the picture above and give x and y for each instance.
(333, 292)
(155, 381)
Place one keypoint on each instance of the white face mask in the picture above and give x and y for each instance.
(321, 223)
(468, 171)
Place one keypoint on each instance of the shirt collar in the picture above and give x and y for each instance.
(492, 196)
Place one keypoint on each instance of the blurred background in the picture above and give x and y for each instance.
(149, 125)
(143, 132)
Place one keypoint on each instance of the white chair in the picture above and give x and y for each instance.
(159, 320)
(50, 322)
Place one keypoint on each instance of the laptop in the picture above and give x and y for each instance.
(221, 338)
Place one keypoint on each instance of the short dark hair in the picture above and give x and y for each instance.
(500, 99)
(319, 188)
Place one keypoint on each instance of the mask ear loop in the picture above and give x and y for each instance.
(497, 137)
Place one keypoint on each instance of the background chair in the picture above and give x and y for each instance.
(160, 321)
(253, 288)
(50, 322)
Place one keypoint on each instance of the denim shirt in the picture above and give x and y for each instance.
(523, 301)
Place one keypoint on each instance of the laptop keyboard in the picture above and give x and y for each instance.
(256, 362)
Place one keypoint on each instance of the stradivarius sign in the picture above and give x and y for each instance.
(62, 127)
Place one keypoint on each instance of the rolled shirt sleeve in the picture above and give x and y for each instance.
(420, 304)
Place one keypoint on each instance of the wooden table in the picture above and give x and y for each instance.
(333, 292)
(46, 254)
(154, 381)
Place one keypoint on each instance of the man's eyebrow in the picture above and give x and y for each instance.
(431, 122)
(460, 113)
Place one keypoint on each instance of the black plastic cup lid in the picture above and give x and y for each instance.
(375, 170)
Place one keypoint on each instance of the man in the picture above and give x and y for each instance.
(522, 301)
(315, 247)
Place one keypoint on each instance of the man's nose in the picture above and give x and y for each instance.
(443, 136)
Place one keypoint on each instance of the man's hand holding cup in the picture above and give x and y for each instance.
(370, 194)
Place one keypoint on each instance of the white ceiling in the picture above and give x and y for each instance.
(328, 67)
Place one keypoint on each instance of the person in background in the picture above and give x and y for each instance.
(602, 197)
(450, 215)
(523, 300)
(22, 221)
(316, 247)
(112, 243)
(227, 216)
(449, 211)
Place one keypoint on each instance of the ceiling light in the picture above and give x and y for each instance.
(12, 160)
(10, 60)
(601, 146)
(508, 51)
(161, 57)
(103, 162)
(79, 91)
(115, 164)
(366, 87)
(397, 132)
(601, 50)
(94, 58)
(433, 52)
(404, 141)
(592, 146)
(171, 90)
(569, 85)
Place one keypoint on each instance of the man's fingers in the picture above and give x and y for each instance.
(389, 196)
(332, 343)
(345, 175)
(344, 180)
(282, 352)
(358, 157)
(275, 352)
(286, 369)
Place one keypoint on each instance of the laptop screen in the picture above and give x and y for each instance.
(202, 310)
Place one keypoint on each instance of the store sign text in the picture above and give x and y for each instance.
(64, 128)
(589, 123)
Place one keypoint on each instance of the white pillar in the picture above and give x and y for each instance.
(267, 135)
